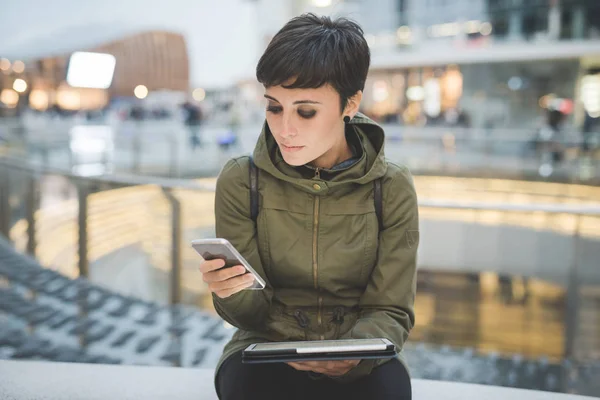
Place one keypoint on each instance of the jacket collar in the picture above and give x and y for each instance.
(370, 166)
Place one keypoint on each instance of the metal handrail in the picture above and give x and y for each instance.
(582, 209)
(120, 179)
(167, 185)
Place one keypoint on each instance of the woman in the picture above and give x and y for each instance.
(332, 271)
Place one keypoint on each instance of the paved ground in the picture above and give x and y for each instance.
(112, 328)
(31, 380)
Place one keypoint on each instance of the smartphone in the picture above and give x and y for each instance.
(219, 248)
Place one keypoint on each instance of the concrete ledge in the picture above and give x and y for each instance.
(20, 380)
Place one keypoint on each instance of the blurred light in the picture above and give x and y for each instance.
(20, 85)
(199, 94)
(485, 29)
(545, 170)
(473, 26)
(140, 91)
(432, 101)
(68, 99)
(322, 3)
(452, 87)
(380, 91)
(4, 64)
(404, 34)
(415, 93)
(515, 83)
(443, 30)
(545, 101)
(450, 29)
(398, 80)
(590, 94)
(91, 70)
(90, 139)
(38, 99)
(18, 66)
(9, 97)
(94, 169)
(566, 106)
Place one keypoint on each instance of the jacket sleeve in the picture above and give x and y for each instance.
(387, 304)
(246, 309)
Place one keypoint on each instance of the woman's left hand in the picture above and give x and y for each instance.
(330, 368)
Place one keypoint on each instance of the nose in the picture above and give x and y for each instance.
(288, 130)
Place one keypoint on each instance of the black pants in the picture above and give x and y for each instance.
(237, 381)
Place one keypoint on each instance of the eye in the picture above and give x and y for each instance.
(274, 109)
(307, 114)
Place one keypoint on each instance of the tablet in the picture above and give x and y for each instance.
(318, 350)
(210, 249)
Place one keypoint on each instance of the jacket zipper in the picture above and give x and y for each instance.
(315, 255)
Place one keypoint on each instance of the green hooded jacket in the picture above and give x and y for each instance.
(331, 272)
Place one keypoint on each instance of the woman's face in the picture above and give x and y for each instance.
(306, 124)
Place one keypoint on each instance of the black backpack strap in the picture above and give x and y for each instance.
(378, 197)
(253, 190)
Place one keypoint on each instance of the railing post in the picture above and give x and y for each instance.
(82, 196)
(173, 164)
(137, 149)
(572, 308)
(31, 205)
(5, 212)
(175, 293)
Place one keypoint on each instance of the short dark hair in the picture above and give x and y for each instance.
(315, 51)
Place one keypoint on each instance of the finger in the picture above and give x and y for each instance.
(304, 366)
(211, 265)
(314, 364)
(300, 367)
(231, 291)
(223, 274)
(337, 372)
(296, 365)
(231, 283)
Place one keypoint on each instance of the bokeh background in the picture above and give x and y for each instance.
(116, 117)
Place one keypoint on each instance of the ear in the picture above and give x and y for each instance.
(353, 104)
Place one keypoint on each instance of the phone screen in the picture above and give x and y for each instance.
(223, 251)
(218, 251)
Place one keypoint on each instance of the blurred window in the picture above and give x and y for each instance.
(566, 24)
(500, 24)
(402, 6)
(593, 20)
(534, 21)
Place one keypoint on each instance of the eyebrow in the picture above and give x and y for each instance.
(296, 102)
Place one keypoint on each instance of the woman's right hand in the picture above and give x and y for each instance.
(225, 282)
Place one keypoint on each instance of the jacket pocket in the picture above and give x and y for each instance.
(348, 249)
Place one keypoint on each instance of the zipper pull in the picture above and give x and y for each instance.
(301, 318)
(317, 173)
(338, 315)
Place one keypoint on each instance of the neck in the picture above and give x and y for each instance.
(339, 152)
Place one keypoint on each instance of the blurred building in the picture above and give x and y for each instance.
(88, 77)
(479, 63)
(486, 63)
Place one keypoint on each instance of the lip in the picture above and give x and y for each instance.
(291, 149)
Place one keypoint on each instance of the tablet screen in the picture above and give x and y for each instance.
(317, 346)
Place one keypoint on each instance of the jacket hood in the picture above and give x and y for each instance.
(370, 166)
